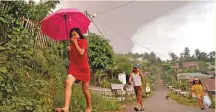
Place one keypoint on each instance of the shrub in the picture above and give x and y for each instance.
(114, 80)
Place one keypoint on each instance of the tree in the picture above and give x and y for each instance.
(145, 56)
(203, 66)
(121, 64)
(159, 60)
(203, 56)
(39, 11)
(100, 52)
(197, 54)
(211, 56)
(186, 53)
(173, 56)
(152, 58)
(193, 58)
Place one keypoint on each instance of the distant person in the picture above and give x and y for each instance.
(198, 90)
(78, 69)
(135, 80)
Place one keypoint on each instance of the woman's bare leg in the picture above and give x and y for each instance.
(140, 96)
(68, 84)
(136, 90)
(200, 102)
(85, 87)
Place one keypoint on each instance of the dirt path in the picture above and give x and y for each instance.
(158, 103)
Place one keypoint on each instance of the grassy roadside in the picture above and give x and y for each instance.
(187, 101)
(132, 102)
(78, 102)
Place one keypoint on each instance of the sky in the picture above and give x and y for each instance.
(192, 26)
(160, 26)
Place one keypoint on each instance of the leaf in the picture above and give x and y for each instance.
(3, 20)
(1, 79)
(1, 95)
(2, 85)
(3, 70)
(2, 48)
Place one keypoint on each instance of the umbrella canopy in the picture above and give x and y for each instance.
(58, 25)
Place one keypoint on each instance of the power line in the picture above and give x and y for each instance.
(115, 7)
(95, 24)
(130, 39)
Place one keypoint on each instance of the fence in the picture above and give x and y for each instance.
(123, 94)
(41, 40)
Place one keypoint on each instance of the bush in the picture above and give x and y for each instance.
(116, 81)
(189, 100)
(212, 101)
(105, 84)
(183, 100)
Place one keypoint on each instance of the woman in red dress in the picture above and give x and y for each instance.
(78, 69)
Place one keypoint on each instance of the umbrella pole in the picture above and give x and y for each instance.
(86, 14)
(65, 18)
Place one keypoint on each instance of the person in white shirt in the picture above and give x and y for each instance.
(135, 80)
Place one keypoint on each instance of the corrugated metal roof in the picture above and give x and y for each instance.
(209, 84)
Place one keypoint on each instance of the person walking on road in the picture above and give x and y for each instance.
(135, 80)
(78, 69)
(198, 90)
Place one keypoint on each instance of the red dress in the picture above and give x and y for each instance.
(79, 66)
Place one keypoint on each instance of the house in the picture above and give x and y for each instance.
(176, 66)
(211, 73)
(190, 64)
(209, 84)
(190, 76)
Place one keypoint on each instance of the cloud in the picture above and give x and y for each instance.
(190, 26)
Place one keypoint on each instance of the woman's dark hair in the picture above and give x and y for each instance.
(199, 82)
(78, 31)
(134, 69)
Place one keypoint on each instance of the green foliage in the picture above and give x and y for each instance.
(100, 52)
(31, 78)
(116, 81)
(212, 98)
(188, 100)
(38, 11)
(176, 84)
(183, 100)
(184, 85)
(79, 103)
(203, 66)
(122, 64)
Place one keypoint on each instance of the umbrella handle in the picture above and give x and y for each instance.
(65, 18)
(69, 42)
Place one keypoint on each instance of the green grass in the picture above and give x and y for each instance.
(187, 100)
(183, 100)
(78, 102)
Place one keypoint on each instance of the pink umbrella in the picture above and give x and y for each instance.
(58, 24)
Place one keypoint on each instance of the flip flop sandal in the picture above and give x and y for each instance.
(136, 109)
(142, 109)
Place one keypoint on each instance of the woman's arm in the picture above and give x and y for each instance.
(79, 50)
(140, 73)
